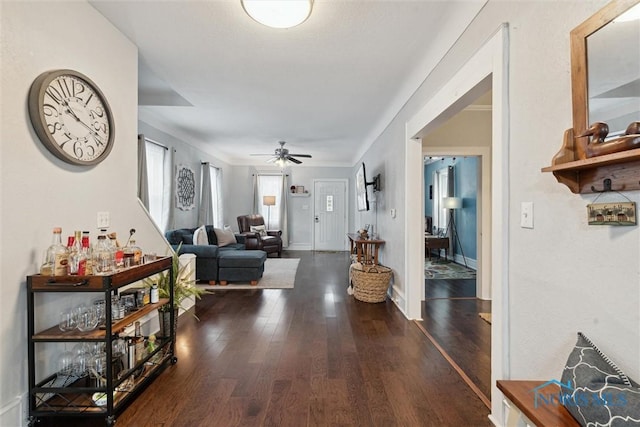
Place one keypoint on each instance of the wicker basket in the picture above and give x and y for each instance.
(370, 282)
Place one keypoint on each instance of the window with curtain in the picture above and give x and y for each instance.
(158, 197)
(270, 185)
(211, 212)
(440, 190)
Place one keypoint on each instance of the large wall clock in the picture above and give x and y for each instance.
(71, 117)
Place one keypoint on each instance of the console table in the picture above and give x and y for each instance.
(365, 249)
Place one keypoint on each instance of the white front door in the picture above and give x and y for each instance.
(330, 215)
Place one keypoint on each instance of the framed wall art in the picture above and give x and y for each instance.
(185, 188)
(614, 213)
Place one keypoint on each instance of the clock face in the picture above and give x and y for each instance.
(71, 117)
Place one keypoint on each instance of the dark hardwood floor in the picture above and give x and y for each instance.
(308, 356)
(450, 316)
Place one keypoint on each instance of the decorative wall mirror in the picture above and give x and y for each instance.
(605, 70)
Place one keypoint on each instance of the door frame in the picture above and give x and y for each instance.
(487, 68)
(346, 212)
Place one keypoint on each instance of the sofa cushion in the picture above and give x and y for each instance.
(181, 235)
(200, 236)
(597, 392)
(246, 259)
(225, 236)
(213, 240)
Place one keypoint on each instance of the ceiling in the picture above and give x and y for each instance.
(211, 76)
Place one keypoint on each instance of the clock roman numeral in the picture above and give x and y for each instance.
(64, 88)
(54, 94)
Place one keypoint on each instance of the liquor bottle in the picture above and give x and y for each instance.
(137, 253)
(77, 258)
(86, 248)
(138, 341)
(117, 251)
(102, 255)
(56, 257)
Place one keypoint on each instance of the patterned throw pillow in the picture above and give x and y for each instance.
(260, 229)
(200, 236)
(225, 237)
(597, 392)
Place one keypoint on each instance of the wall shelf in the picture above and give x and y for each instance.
(587, 175)
(299, 194)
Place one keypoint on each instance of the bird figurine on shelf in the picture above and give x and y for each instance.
(598, 146)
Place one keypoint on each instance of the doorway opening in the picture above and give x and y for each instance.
(486, 69)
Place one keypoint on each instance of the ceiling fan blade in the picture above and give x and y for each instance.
(271, 160)
(308, 156)
(296, 161)
(261, 154)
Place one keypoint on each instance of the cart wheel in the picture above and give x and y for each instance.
(174, 360)
(111, 420)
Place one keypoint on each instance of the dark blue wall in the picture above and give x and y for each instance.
(465, 171)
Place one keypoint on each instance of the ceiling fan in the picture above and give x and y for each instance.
(281, 156)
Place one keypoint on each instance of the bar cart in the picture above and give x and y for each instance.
(68, 395)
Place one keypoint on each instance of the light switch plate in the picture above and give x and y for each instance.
(526, 215)
(103, 219)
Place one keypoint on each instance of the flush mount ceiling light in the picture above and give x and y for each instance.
(278, 13)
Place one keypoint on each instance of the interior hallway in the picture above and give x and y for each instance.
(308, 356)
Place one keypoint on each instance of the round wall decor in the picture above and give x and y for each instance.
(71, 117)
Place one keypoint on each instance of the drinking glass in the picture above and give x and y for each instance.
(68, 320)
(87, 318)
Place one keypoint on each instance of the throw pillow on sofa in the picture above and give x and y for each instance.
(200, 236)
(225, 236)
(597, 392)
(260, 229)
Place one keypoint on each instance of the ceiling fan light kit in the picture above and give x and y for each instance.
(278, 13)
(282, 157)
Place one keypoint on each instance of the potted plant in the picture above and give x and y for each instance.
(183, 288)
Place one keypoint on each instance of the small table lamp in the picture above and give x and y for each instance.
(269, 201)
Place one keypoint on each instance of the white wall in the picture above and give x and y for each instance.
(38, 191)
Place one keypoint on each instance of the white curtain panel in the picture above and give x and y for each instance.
(143, 183)
(205, 213)
(168, 194)
(273, 185)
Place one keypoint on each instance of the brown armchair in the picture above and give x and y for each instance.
(270, 242)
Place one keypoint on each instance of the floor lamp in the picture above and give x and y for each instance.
(269, 201)
(453, 203)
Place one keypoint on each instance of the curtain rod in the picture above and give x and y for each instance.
(271, 174)
(156, 143)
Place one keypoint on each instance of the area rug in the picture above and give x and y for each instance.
(447, 270)
(486, 317)
(279, 273)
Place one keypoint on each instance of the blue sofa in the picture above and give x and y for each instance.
(215, 263)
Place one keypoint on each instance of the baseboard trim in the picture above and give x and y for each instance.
(299, 247)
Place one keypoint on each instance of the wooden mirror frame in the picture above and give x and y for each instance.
(579, 85)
